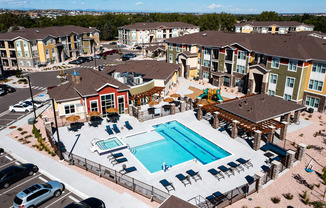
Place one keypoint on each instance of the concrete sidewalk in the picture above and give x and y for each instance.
(80, 184)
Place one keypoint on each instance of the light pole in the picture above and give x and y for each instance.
(57, 130)
(94, 56)
(30, 91)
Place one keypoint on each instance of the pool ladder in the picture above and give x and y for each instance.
(132, 150)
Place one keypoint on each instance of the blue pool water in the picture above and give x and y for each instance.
(108, 143)
(181, 144)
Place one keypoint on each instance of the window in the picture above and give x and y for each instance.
(315, 85)
(275, 63)
(18, 45)
(287, 97)
(207, 51)
(242, 55)
(293, 66)
(19, 53)
(321, 68)
(170, 47)
(21, 63)
(207, 63)
(311, 101)
(94, 106)
(47, 51)
(241, 69)
(273, 78)
(107, 101)
(46, 43)
(26, 54)
(35, 53)
(28, 63)
(53, 53)
(69, 109)
(52, 41)
(206, 75)
(171, 58)
(271, 92)
(198, 61)
(178, 48)
(290, 82)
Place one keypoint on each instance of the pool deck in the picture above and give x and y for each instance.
(208, 185)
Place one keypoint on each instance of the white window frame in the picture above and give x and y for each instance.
(270, 79)
(171, 58)
(242, 55)
(271, 92)
(288, 83)
(287, 97)
(47, 51)
(277, 63)
(70, 113)
(170, 47)
(240, 69)
(313, 86)
(314, 104)
(293, 65)
(21, 63)
(90, 105)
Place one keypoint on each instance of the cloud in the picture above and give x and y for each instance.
(234, 9)
(14, 2)
(252, 10)
(213, 6)
(74, 2)
(139, 3)
(83, 3)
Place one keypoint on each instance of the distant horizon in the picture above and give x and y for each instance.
(171, 6)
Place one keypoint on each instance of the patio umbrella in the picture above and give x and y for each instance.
(93, 113)
(72, 118)
(153, 102)
(175, 95)
(168, 100)
(112, 110)
(203, 102)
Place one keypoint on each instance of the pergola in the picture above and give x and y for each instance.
(253, 113)
(147, 93)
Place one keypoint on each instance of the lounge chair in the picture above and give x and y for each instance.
(114, 156)
(216, 174)
(211, 199)
(167, 185)
(184, 179)
(227, 171)
(119, 160)
(108, 129)
(126, 170)
(236, 166)
(245, 163)
(115, 128)
(219, 197)
(128, 126)
(194, 175)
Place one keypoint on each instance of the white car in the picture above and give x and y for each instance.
(20, 108)
(37, 104)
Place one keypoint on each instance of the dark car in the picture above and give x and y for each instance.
(3, 91)
(41, 65)
(114, 51)
(7, 88)
(87, 58)
(128, 56)
(138, 47)
(113, 43)
(80, 60)
(87, 203)
(15, 173)
(106, 53)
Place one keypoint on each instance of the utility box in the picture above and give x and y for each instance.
(31, 121)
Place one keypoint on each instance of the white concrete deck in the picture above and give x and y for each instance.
(208, 185)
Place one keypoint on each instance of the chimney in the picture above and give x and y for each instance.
(76, 77)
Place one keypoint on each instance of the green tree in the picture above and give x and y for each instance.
(107, 32)
(268, 16)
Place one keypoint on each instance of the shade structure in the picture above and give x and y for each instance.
(153, 102)
(202, 102)
(94, 113)
(168, 100)
(72, 118)
(175, 95)
(112, 110)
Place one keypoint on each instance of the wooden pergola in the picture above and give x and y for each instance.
(147, 93)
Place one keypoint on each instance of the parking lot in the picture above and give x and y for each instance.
(7, 195)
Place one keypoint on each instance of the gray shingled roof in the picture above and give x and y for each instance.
(41, 33)
(270, 23)
(150, 69)
(152, 25)
(254, 108)
(290, 45)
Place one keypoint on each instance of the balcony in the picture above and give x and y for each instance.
(229, 55)
(11, 45)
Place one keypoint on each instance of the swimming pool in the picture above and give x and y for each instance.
(181, 144)
(107, 145)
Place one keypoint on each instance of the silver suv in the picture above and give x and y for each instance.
(37, 194)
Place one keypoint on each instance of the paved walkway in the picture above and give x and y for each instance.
(80, 184)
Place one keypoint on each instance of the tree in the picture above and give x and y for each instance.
(267, 16)
(107, 32)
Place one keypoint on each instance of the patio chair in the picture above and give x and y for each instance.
(216, 174)
(126, 170)
(219, 197)
(245, 163)
(236, 166)
(119, 160)
(108, 129)
(167, 185)
(128, 126)
(194, 175)
(115, 128)
(69, 129)
(211, 199)
(114, 156)
(226, 171)
(184, 179)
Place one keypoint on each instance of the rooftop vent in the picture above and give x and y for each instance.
(205, 34)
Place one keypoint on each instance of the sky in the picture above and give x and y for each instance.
(200, 6)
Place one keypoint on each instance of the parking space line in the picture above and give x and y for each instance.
(58, 199)
(6, 164)
(9, 158)
(73, 198)
(43, 179)
(20, 184)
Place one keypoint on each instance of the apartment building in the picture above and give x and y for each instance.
(274, 27)
(153, 32)
(288, 66)
(33, 46)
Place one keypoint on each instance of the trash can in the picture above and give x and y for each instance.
(31, 121)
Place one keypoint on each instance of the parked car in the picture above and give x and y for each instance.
(87, 58)
(41, 65)
(80, 60)
(122, 46)
(113, 43)
(15, 173)
(105, 53)
(37, 104)
(96, 56)
(1, 77)
(138, 47)
(114, 51)
(87, 203)
(128, 56)
(37, 194)
(7, 88)
(20, 108)
(2, 91)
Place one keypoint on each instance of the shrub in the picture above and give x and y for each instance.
(275, 200)
(307, 119)
(312, 186)
(288, 196)
(309, 147)
(306, 201)
(303, 114)
(309, 116)
(304, 195)
(23, 132)
(318, 185)
(315, 134)
(20, 129)
(318, 204)
(301, 135)
(28, 136)
(319, 117)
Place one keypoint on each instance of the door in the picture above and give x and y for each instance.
(258, 79)
(121, 104)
